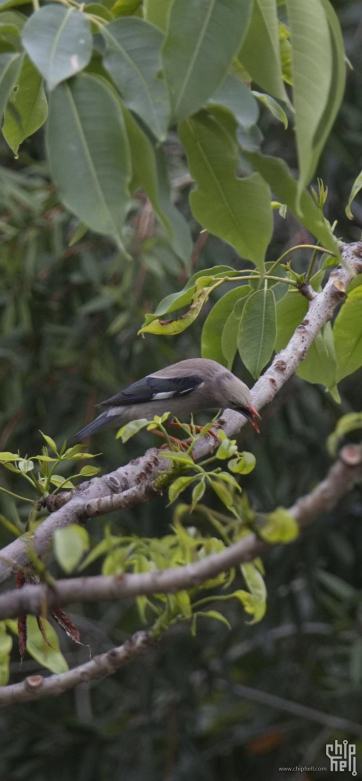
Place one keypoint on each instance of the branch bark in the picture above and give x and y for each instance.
(36, 687)
(31, 599)
(134, 482)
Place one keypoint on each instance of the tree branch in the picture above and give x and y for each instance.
(35, 686)
(133, 483)
(31, 599)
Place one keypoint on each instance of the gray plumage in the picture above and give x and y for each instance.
(188, 386)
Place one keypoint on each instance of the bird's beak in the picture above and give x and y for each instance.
(251, 414)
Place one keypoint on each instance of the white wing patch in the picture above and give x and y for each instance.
(165, 395)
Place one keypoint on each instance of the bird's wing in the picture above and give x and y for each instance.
(153, 389)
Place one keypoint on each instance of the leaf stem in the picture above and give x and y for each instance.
(16, 496)
(299, 246)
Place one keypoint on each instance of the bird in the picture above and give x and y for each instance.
(183, 388)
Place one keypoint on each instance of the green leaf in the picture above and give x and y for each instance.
(178, 486)
(202, 40)
(229, 338)
(125, 7)
(50, 442)
(214, 326)
(347, 423)
(178, 456)
(239, 99)
(273, 107)
(356, 187)
(157, 11)
(181, 242)
(70, 544)
(93, 171)
(172, 327)
(10, 64)
(318, 78)
(133, 60)
(320, 365)
(59, 42)
(255, 583)
(227, 448)
(89, 471)
(348, 335)
(257, 331)
(27, 109)
(132, 428)
(222, 492)
(144, 169)
(49, 656)
(183, 601)
(184, 296)
(114, 563)
(6, 456)
(291, 311)
(278, 526)
(260, 52)
(306, 211)
(236, 210)
(98, 10)
(197, 493)
(243, 465)
(215, 615)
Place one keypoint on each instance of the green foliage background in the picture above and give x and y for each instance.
(68, 322)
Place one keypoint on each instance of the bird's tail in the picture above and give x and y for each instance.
(103, 420)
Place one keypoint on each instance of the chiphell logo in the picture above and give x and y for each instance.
(342, 756)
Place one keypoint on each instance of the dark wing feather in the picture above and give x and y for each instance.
(149, 389)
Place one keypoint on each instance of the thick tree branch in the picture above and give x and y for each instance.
(35, 686)
(31, 599)
(133, 483)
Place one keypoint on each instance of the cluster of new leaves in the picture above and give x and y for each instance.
(119, 76)
(41, 473)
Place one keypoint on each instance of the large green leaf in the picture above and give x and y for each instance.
(59, 41)
(157, 11)
(144, 169)
(260, 52)
(236, 96)
(181, 241)
(320, 364)
(291, 310)
(133, 60)
(257, 332)
(27, 109)
(48, 653)
(276, 172)
(202, 40)
(10, 64)
(348, 335)
(236, 210)
(89, 154)
(70, 545)
(212, 331)
(318, 78)
(229, 339)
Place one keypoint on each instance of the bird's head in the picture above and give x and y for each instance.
(237, 396)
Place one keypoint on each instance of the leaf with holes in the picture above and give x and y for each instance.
(27, 109)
